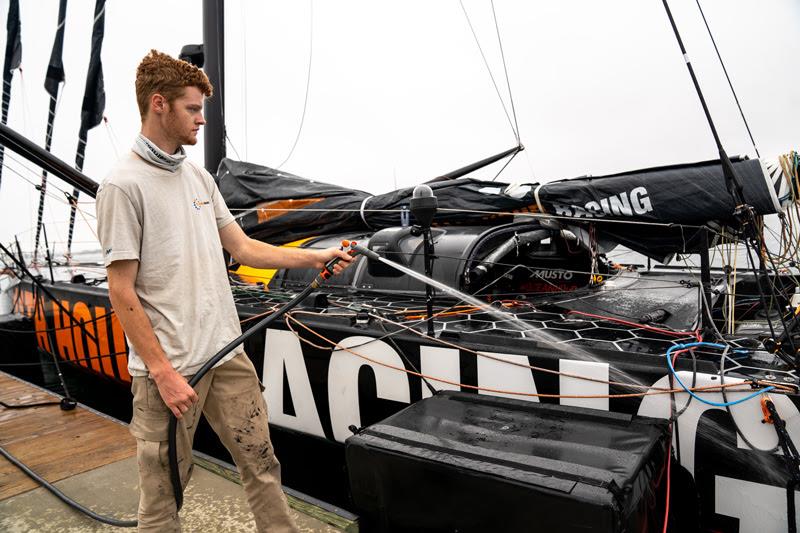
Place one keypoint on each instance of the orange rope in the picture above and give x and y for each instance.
(706, 388)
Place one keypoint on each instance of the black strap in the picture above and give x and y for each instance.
(792, 459)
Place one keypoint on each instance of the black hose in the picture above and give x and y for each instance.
(505, 248)
(172, 431)
(64, 498)
(26, 405)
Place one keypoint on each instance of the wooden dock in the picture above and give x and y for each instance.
(91, 457)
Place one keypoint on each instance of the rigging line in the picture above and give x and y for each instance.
(650, 392)
(235, 151)
(510, 159)
(505, 69)
(733, 183)
(486, 63)
(35, 186)
(401, 327)
(730, 84)
(244, 74)
(693, 77)
(308, 81)
(23, 163)
(530, 214)
(111, 136)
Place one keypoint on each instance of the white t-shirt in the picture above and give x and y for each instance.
(169, 222)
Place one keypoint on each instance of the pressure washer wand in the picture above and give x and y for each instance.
(323, 275)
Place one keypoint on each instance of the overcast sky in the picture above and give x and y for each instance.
(399, 92)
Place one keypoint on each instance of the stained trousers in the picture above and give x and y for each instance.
(230, 398)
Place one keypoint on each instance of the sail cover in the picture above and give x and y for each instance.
(680, 194)
(279, 207)
(664, 207)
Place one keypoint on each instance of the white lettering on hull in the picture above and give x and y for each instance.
(343, 381)
(498, 375)
(748, 414)
(282, 350)
(580, 387)
(759, 508)
(441, 363)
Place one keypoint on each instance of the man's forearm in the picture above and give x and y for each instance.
(259, 254)
(139, 330)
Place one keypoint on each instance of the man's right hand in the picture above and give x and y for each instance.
(175, 391)
(173, 388)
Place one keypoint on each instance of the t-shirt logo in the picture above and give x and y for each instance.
(197, 204)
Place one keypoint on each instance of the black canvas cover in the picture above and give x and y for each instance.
(670, 202)
(279, 207)
(469, 462)
(677, 198)
(680, 194)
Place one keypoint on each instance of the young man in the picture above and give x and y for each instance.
(162, 224)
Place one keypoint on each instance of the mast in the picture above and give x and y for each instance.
(214, 49)
(12, 61)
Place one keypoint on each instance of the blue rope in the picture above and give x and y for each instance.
(695, 396)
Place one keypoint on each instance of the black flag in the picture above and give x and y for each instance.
(12, 61)
(53, 79)
(94, 102)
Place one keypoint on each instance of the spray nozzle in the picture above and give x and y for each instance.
(327, 271)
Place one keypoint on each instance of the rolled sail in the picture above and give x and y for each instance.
(680, 194)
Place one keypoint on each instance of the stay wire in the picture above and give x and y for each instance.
(308, 82)
(489, 70)
(505, 69)
(508, 162)
(727, 77)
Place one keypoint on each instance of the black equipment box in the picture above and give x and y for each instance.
(468, 462)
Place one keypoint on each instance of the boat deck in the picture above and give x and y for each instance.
(92, 458)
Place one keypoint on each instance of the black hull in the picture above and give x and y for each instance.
(316, 394)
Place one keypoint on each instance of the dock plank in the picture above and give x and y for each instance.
(79, 448)
(56, 444)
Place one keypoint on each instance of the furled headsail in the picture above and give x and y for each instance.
(667, 204)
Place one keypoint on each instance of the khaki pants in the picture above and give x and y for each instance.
(231, 399)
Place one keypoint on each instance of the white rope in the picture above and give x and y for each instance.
(361, 211)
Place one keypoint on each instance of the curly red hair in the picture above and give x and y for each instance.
(163, 74)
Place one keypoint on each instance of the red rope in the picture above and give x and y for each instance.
(636, 324)
(666, 507)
